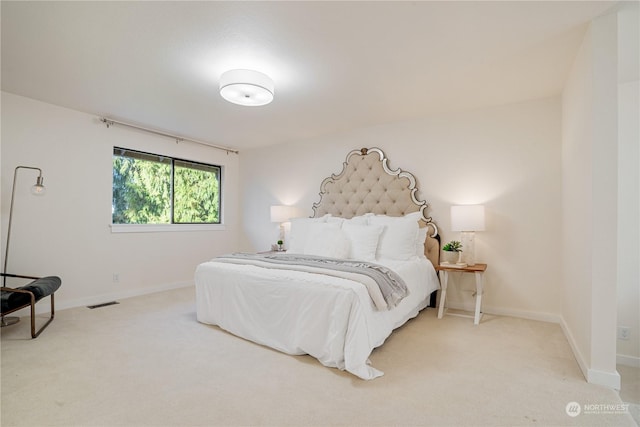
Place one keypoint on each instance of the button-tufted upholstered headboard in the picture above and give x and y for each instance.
(367, 185)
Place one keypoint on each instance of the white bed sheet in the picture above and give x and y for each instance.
(329, 318)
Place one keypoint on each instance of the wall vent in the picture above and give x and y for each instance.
(104, 304)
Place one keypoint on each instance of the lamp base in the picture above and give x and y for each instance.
(8, 321)
(467, 238)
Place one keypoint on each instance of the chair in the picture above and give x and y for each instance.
(14, 299)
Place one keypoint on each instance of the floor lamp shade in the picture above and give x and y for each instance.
(467, 219)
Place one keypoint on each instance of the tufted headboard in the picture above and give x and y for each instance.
(367, 185)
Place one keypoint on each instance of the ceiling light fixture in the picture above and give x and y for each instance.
(246, 87)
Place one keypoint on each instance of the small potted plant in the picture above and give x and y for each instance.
(280, 243)
(451, 252)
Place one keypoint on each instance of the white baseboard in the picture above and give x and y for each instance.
(593, 376)
(632, 361)
(523, 314)
(44, 307)
(574, 348)
(607, 379)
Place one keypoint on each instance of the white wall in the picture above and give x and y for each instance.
(507, 158)
(576, 202)
(629, 182)
(629, 230)
(591, 202)
(67, 231)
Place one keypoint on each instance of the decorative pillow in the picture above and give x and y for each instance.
(398, 240)
(327, 240)
(363, 239)
(300, 233)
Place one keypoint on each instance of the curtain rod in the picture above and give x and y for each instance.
(109, 122)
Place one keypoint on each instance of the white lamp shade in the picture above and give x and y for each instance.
(281, 213)
(246, 87)
(467, 218)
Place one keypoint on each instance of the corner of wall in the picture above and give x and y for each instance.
(592, 376)
(582, 363)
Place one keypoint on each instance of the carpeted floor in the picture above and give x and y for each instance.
(630, 389)
(148, 362)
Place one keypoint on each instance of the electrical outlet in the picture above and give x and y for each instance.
(623, 333)
(116, 277)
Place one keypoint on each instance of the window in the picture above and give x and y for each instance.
(154, 189)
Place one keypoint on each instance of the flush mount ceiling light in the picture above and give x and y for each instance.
(246, 87)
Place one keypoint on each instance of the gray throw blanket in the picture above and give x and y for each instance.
(390, 284)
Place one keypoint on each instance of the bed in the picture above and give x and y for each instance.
(320, 297)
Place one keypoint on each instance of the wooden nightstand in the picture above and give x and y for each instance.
(478, 270)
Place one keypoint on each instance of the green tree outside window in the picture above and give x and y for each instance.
(153, 189)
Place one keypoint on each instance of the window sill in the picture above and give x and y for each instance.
(161, 228)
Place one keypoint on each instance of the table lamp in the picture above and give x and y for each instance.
(467, 219)
(282, 214)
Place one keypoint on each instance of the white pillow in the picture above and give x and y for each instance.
(327, 240)
(335, 219)
(398, 240)
(362, 219)
(363, 239)
(300, 233)
(422, 237)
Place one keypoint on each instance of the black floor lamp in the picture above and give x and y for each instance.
(37, 190)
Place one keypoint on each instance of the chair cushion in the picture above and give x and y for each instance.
(40, 287)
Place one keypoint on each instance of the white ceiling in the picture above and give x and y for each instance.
(336, 65)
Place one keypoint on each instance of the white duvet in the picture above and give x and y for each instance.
(329, 318)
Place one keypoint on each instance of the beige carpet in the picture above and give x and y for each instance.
(630, 390)
(148, 362)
